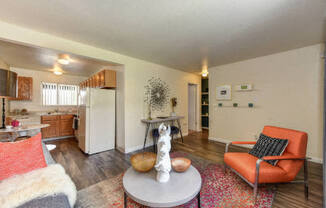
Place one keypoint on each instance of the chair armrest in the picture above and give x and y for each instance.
(288, 157)
(244, 142)
(238, 142)
(266, 158)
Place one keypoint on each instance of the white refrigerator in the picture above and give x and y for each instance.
(96, 114)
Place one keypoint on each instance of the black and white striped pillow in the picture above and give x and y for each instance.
(268, 146)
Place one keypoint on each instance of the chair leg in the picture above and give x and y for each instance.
(255, 190)
(257, 178)
(306, 188)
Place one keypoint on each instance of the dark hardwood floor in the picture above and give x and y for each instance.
(87, 170)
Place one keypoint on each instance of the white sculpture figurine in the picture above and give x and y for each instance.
(163, 162)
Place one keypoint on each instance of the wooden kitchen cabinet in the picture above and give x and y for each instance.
(105, 79)
(66, 125)
(25, 88)
(54, 129)
(110, 80)
(59, 126)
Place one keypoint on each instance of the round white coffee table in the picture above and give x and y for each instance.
(144, 189)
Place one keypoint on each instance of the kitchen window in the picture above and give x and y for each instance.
(59, 94)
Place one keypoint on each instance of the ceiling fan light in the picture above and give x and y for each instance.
(63, 59)
(57, 72)
(204, 74)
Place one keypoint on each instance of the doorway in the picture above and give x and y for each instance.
(192, 108)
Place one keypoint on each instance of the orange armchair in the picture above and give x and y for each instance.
(257, 171)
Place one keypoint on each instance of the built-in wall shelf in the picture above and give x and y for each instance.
(204, 103)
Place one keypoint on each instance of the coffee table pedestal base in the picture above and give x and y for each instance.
(125, 200)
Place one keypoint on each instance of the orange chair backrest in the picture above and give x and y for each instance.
(297, 146)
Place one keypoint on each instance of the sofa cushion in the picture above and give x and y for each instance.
(52, 201)
(268, 146)
(245, 165)
(21, 157)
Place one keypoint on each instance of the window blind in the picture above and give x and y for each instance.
(67, 94)
(49, 93)
(59, 94)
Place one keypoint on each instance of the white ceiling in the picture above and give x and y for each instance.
(178, 33)
(28, 57)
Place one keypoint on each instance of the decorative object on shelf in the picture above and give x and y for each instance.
(162, 117)
(156, 95)
(24, 112)
(163, 162)
(235, 105)
(180, 164)
(149, 112)
(243, 87)
(8, 89)
(223, 92)
(174, 103)
(143, 162)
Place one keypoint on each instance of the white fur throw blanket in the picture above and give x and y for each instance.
(51, 180)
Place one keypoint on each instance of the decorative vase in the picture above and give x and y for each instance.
(163, 161)
(149, 112)
(173, 104)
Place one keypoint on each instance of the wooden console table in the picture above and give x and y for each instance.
(153, 121)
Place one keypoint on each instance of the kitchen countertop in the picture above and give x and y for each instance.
(57, 114)
(38, 114)
(35, 117)
(24, 128)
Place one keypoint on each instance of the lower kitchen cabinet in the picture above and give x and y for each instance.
(66, 125)
(59, 126)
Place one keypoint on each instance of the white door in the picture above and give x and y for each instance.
(102, 120)
(192, 98)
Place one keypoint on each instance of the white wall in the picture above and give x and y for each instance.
(136, 79)
(136, 74)
(288, 92)
(40, 76)
(3, 65)
(192, 98)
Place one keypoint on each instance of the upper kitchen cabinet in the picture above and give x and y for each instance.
(25, 88)
(103, 79)
(110, 79)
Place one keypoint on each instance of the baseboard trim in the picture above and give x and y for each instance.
(316, 160)
(225, 141)
(136, 148)
(57, 138)
(140, 147)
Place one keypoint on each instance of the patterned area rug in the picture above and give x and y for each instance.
(219, 189)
